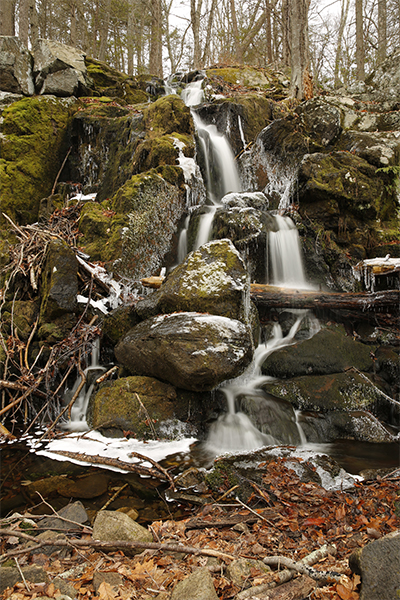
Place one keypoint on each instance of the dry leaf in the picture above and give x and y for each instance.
(105, 592)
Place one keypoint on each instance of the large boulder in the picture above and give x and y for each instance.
(60, 69)
(192, 351)
(328, 351)
(385, 80)
(128, 403)
(15, 67)
(212, 279)
(378, 564)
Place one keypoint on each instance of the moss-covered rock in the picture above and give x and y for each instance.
(326, 352)
(168, 115)
(33, 145)
(59, 282)
(112, 83)
(22, 315)
(117, 406)
(160, 151)
(212, 279)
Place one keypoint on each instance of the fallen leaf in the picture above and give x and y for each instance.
(105, 592)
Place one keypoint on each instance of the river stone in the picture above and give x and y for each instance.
(110, 526)
(10, 576)
(89, 486)
(339, 391)
(59, 69)
(357, 425)
(197, 586)
(211, 279)
(378, 564)
(242, 570)
(328, 351)
(15, 67)
(119, 404)
(191, 350)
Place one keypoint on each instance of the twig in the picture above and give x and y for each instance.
(80, 525)
(155, 465)
(119, 490)
(322, 576)
(32, 333)
(147, 416)
(120, 545)
(53, 189)
(107, 374)
(254, 512)
(22, 575)
(22, 234)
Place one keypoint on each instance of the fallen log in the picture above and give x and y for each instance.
(276, 297)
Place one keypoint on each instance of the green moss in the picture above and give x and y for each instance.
(111, 83)
(32, 149)
(160, 151)
(23, 316)
(101, 230)
(168, 115)
(222, 477)
(247, 76)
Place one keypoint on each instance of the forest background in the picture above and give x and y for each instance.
(336, 43)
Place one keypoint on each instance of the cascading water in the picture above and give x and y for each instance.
(285, 255)
(220, 168)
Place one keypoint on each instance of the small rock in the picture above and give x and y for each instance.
(128, 510)
(113, 579)
(73, 512)
(10, 576)
(241, 571)
(116, 526)
(66, 588)
(45, 536)
(197, 586)
(378, 564)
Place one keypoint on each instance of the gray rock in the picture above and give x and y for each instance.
(241, 571)
(110, 526)
(321, 120)
(113, 579)
(73, 512)
(66, 588)
(10, 576)
(357, 425)
(378, 564)
(192, 351)
(60, 281)
(385, 80)
(328, 351)
(197, 586)
(49, 536)
(59, 69)
(15, 67)
(212, 279)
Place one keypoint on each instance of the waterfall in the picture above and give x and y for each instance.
(285, 255)
(221, 173)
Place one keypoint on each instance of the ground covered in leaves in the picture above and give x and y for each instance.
(284, 517)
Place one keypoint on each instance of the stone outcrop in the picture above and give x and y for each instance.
(378, 564)
(15, 67)
(116, 526)
(192, 351)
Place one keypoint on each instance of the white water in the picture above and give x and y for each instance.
(285, 255)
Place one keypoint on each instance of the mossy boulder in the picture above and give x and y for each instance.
(328, 351)
(346, 391)
(59, 282)
(339, 190)
(212, 279)
(33, 145)
(160, 151)
(118, 323)
(168, 115)
(193, 351)
(134, 229)
(22, 315)
(116, 406)
(110, 82)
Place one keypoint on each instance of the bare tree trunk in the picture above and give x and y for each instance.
(155, 62)
(73, 28)
(286, 18)
(360, 54)
(343, 19)
(235, 31)
(195, 14)
(268, 30)
(130, 35)
(300, 78)
(105, 25)
(382, 31)
(206, 54)
(23, 21)
(7, 17)
(95, 28)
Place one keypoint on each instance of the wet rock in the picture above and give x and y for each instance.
(59, 283)
(388, 364)
(192, 478)
(15, 67)
(116, 405)
(271, 416)
(89, 486)
(378, 564)
(10, 576)
(243, 570)
(112, 526)
(328, 351)
(321, 120)
(341, 425)
(192, 351)
(60, 69)
(109, 82)
(197, 586)
(340, 391)
(212, 279)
